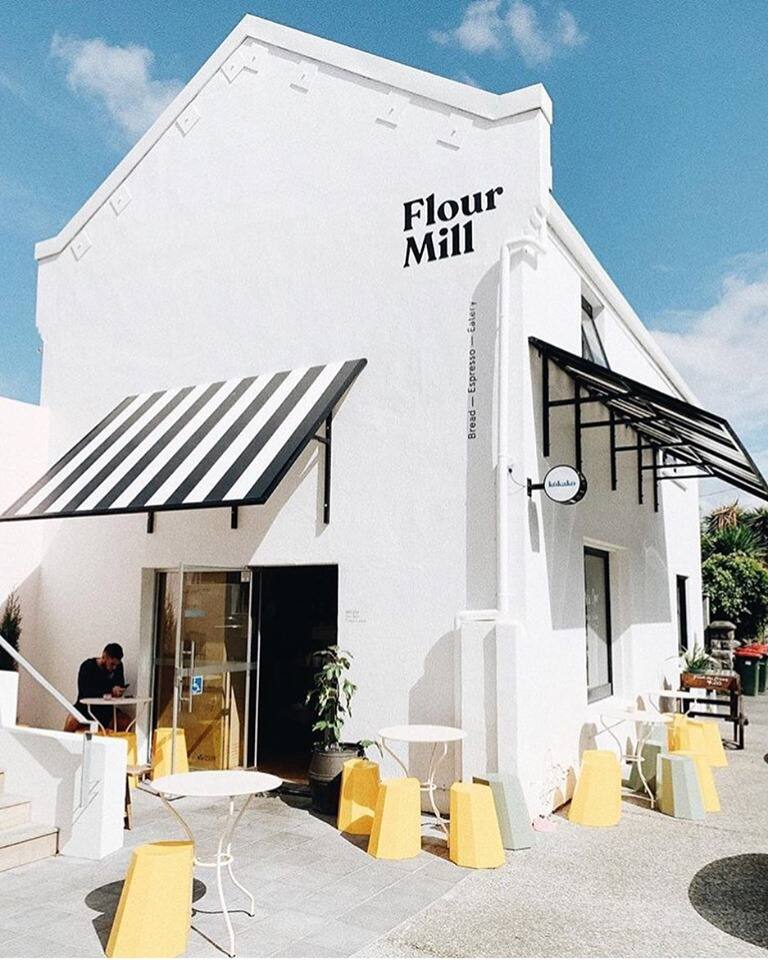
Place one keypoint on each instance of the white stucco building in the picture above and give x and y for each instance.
(301, 204)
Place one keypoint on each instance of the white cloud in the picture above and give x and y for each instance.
(489, 25)
(116, 77)
(721, 351)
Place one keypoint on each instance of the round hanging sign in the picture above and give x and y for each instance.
(564, 484)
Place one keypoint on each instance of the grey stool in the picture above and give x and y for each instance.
(677, 787)
(511, 810)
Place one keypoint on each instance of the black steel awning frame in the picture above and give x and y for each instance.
(654, 432)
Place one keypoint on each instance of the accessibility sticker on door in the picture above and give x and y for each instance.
(197, 684)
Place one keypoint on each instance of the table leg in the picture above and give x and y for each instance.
(90, 714)
(431, 784)
(394, 756)
(645, 732)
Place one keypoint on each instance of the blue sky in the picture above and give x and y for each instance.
(659, 143)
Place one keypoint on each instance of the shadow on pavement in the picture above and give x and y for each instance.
(732, 894)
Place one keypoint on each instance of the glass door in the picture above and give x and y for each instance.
(597, 599)
(202, 662)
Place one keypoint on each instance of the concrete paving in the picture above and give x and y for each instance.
(652, 886)
(317, 893)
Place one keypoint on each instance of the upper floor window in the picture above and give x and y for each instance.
(591, 344)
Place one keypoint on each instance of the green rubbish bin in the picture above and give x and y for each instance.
(747, 665)
(763, 674)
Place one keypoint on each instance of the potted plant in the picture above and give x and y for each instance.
(330, 696)
(696, 660)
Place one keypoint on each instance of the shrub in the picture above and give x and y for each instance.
(10, 630)
(738, 590)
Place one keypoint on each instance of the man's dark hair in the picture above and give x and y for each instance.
(114, 650)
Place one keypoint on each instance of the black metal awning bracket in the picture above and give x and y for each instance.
(639, 454)
(577, 424)
(150, 521)
(612, 432)
(325, 440)
(655, 456)
(233, 518)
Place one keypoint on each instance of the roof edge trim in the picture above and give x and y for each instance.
(576, 245)
(459, 96)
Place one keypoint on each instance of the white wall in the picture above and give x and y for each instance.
(24, 446)
(47, 767)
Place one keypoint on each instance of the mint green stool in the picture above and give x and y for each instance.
(652, 749)
(677, 787)
(511, 810)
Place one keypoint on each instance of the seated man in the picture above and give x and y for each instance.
(99, 676)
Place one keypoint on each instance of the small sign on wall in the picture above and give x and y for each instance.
(562, 484)
(196, 686)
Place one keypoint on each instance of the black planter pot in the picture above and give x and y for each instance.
(325, 771)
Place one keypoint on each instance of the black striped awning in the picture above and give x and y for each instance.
(227, 443)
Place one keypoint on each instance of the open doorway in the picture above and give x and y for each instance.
(295, 614)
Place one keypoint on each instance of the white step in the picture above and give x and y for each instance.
(21, 845)
(14, 811)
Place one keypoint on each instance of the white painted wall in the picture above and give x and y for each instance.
(47, 767)
(268, 235)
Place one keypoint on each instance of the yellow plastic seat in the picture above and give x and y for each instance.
(161, 753)
(155, 908)
(396, 828)
(357, 799)
(713, 743)
(597, 798)
(706, 780)
(686, 734)
(474, 838)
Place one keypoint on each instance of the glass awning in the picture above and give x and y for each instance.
(227, 443)
(689, 437)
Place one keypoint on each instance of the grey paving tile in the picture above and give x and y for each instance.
(29, 946)
(288, 925)
(344, 938)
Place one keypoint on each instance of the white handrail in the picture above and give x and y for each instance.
(46, 685)
(85, 776)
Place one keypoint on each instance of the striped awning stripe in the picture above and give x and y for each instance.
(218, 444)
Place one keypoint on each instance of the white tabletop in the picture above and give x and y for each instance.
(113, 701)
(637, 716)
(216, 783)
(422, 733)
(679, 694)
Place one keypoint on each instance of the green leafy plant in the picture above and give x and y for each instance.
(738, 590)
(725, 541)
(331, 696)
(10, 630)
(696, 660)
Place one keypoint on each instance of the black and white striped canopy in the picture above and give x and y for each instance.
(218, 444)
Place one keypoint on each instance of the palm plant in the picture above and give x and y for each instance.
(757, 522)
(723, 518)
(727, 540)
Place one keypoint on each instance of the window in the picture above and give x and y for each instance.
(682, 613)
(591, 344)
(597, 603)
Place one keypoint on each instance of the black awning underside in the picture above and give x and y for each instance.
(688, 436)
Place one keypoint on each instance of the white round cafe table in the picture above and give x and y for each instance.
(645, 719)
(213, 784)
(438, 736)
(114, 702)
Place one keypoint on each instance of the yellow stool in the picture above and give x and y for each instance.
(357, 799)
(686, 734)
(713, 744)
(597, 798)
(153, 916)
(396, 828)
(706, 780)
(161, 753)
(474, 837)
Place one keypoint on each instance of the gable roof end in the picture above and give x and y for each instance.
(458, 96)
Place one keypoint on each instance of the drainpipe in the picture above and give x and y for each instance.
(501, 613)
